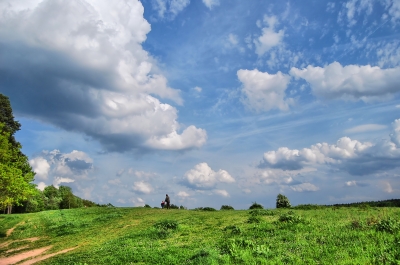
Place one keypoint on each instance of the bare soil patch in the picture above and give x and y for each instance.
(37, 259)
(22, 256)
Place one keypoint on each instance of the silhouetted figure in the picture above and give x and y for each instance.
(162, 204)
(167, 201)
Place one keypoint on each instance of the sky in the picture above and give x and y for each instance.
(214, 102)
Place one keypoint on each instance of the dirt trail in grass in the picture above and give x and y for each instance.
(34, 254)
(9, 231)
(22, 256)
(34, 260)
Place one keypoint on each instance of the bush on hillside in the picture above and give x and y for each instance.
(308, 207)
(261, 212)
(226, 207)
(173, 206)
(282, 201)
(255, 205)
(210, 209)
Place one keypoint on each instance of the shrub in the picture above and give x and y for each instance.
(282, 201)
(147, 206)
(255, 205)
(227, 207)
(210, 209)
(308, 207)
(234, 229)
(181, 207)
(290, 217)
(388, 225)
(166, 224)
(260, 212)
(173, 206)
(254, 219)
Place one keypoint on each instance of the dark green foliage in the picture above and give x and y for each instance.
(181, 207)
(173, 206)
(234, 229)
(209, 209)
(87, 203)
(290, 217)
(147, 206)
(384, 203)
(7, 118)
(254, 219)
(36, 202)
(227, 207)
(166, 224)
(308, 207)
(261, 212)
(282, 201)
(389, 225)
(255, 205)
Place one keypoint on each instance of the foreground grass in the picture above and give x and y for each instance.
(155, 236)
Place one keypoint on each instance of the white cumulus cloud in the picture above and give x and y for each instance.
(264, 91)
(203, 177)
(269, 37)
(142, 187)
(40, 166)
(183, 194)
(357, 158)
(351, 82)
(222, 193)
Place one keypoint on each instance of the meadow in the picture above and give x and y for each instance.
(329, 235)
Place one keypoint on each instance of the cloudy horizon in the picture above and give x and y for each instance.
(213, 102)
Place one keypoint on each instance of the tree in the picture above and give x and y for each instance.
(7, 118)
(16, 174)
(255, 205)
(15, 182)
(53, 198)
(282, 201)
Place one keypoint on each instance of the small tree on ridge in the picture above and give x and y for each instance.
(282, 201)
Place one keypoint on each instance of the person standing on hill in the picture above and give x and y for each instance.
(167, 201)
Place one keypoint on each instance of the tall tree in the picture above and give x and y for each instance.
(15, 185)
(7, 118)
(16, 174)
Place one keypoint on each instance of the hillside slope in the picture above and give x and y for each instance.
(156, 236)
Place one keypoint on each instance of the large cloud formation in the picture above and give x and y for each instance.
(80, 65)
(263, 91)
(349, 155)
(351, 82)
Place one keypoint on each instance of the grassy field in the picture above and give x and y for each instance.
(155, 236)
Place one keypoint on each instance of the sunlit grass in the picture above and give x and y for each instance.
(156, 236)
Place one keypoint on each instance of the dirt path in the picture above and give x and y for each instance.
(35, 254)
(34, 260)
(9, 231)
(22, 256)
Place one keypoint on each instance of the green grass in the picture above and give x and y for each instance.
(155, 236)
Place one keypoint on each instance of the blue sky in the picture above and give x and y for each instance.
(213, 102)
